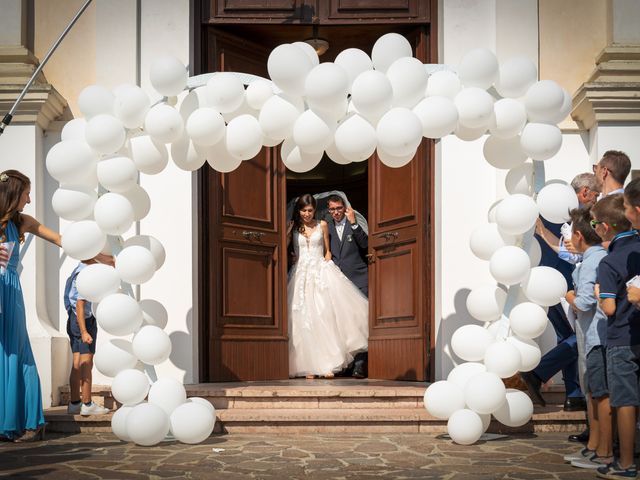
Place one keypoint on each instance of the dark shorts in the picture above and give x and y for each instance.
(73, 330)
(623, 375)
(596, 375)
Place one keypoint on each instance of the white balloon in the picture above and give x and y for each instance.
(277, 117)
(150, 243)
(516, 410)
(535, 252)
(408, 79)
(528, 320)
(461, 374)
(555, 201)
(516, 76)
(486, 239)
(485, 393)
(226, 92)
(139, 199)
(503, 153)
(205, 126)
(399, 132)
(105, 133)
(544, 286)
(544, 100)
(119, 314)
(372, 94)
(219, 158)
(192, 423)
(469, 342)
(475, 107)
(530, 353)
(130, 387)
(135, 264)
(394, 161)
(388, 48)
(151, 345)
(444, 83)
(333, 153)
(115, 356)
(465, 427)
(195, 99)
(164, 123)
(502, 358)
(150, 156)
(509, 265)
(113, 213)
(469, 134)
(168, 394)
(168, 76)
(520, 179)
(486, 303)
(356, 139)
(288, 66)
(243, 109)
(74, 130)
(565, 109)
(297, 160)
(71, 162)
(74, 202)
(258, 93)
(354, 61)
(478, 68)
(147, 424)
(95, 100)
(154, 313)
(438, 116)
(509, 118)
(131, 105)
(540, 141)
(83, 240)
(186, 155)
(205, 402)
(443, 398)
(244, 137)
(96, 281)
(326, 84)
(117, 173)
(309, 51)
(119, 423)
(516, 214)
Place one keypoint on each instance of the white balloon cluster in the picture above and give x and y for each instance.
(121, 136)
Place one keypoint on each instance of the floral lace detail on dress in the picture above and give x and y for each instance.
(310, 260)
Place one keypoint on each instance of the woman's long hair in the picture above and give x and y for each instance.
(12, 185)
(303, 201)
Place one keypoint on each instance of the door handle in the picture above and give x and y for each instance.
(389, 235)
(371, 258)
(249, 235)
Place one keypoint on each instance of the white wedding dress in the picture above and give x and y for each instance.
(328, 315)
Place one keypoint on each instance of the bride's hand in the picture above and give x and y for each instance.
(327, 256)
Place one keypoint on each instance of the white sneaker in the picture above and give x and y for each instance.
(93, 409)
(583, 454)
(74, 409)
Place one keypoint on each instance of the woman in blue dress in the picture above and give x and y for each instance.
(21, 415)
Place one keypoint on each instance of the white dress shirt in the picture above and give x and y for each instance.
(340, 227)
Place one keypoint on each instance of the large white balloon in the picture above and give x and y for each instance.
(168, 76)
(394, 161)
(117, 173)
(95, 100)
(186, 155)
(150, 243)
(135, 264)
(443, 398)
(530, 353)
(219, 158)
(544, 286)
(226, 92)
(516, 76)
(465, 427)
(528, 320)
(74, 202)
(119, 314)
(486, 303)
(277, 117)
(309, 51)
(372, 94)
(565, 109)
(485, 393)
(326, 84)
(297, 160)
(119, 423)
(478, 68)
(540, 141)
(74, 130)
(83, 240)
(356, 139)
(509, 118)
(311, 133)
(140, 201)
(516, 214)
(399, 132)
(96, 281)
(555, 201)
(71, 162)
(387, 49)
(154, 313)
(469, 134)
(113, 213)
(150, 156)
(244, 137)
(205, 402)
(509, 265)
(516, 410)
(288, 66)
(354, 61)
(438, 116)
(192, 422)
(486, 239)
(461, 374)
(115, 356)
(164, 123)
(503, 153)
(408, 79)
(544, 101)
(205, 126)
(147, 424)
(168, 394)
(520, 179)
(105, 134)
(475, 107)
(130, 387)
(444, 83)
(334, 154)
(151, 345)
(131, 105)
(502, 358)
(258, 93)
(469, 342)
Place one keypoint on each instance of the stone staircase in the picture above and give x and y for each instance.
(308, 406)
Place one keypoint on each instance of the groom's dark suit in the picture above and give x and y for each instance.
(349, 254)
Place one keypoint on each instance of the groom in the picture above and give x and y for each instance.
(349, 245)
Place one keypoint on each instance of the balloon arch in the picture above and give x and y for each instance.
(387, 103)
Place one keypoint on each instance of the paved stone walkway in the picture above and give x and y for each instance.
(320, 456)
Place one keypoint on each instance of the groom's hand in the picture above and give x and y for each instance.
(351, 215)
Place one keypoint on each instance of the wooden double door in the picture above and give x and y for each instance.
(242, 244)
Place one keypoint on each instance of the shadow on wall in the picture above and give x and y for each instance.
(184, 350)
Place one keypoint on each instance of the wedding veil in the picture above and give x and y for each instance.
(322, 212)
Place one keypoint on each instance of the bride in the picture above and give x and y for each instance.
(328, 315)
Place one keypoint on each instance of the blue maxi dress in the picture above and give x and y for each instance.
(20, 393)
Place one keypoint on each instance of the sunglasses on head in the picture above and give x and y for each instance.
(595, 223)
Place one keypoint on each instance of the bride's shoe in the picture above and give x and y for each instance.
(32, 435)
(310, 377)
(329, 375)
